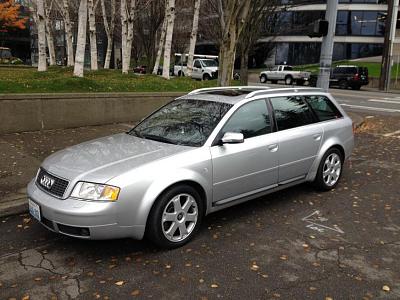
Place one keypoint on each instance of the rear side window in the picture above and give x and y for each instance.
(323, 108)
(291, 112)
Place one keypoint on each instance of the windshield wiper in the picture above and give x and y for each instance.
(158, 138)
(134, 132)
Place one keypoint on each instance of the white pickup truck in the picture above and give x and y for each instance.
(285, 73)
(203, 69)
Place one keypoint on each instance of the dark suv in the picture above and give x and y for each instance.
(349, 76)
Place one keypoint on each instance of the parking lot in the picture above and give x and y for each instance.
(295, 244)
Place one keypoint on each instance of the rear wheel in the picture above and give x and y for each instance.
(263, 78)
(343, 84)
(175, 217)
(206, 77)
(329, 170)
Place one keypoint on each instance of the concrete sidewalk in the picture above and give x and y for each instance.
(22, 153)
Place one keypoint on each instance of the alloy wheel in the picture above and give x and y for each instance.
(332, 169)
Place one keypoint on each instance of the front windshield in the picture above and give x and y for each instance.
(210, 63)
(182, 122)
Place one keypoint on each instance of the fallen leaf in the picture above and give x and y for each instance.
(119, 283)
(328, 298)
(254, 267)
(168, 266)
(312, 288)
(38, 279)
(26, 297)
(386, 288)
(214, 285)
(284, 257)
(135, 293)
(201, 280)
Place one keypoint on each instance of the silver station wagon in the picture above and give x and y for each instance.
(203, 152)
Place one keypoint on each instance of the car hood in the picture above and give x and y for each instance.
(101, 159)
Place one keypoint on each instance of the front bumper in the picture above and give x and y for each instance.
(83, 219)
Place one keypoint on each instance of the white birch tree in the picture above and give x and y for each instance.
(64, 8)
(92, 4)
(160, 46)
(49, 32)
(81, 40)
(170, 16)
(109, 29)
(128, 9)
(193, 37)
(41, 28)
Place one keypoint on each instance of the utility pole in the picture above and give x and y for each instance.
(327, 46)
(392, 36)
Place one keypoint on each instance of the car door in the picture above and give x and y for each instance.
(251, 166)
(299, 137)
(196, 73)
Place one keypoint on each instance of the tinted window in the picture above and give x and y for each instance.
(183, 122)
(252, 119)
(323, 108)
(291, 112)
(287, 68)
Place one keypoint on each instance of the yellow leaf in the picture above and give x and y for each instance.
(386, 288)
(119, 283)
(135, 293)
(214, 285)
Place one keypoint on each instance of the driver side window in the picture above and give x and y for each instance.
(252, 119)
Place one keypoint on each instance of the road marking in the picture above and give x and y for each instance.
(384, 101)
(392, 133)
(314, 219)
(371, 108)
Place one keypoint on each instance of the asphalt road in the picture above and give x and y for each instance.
(363, 101)
(294, 244)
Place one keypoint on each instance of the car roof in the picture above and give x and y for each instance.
(233, 95)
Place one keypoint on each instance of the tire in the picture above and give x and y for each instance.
(343, 84)
(206, 77)
(181, 74)
(288, 80)
(263, 78)
(329, 170)
(168, 234)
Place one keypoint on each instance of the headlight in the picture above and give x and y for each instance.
(94, 191)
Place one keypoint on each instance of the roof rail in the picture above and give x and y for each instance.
(272, 90)
(222, 88)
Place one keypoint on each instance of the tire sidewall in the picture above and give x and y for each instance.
(288, 78)
(319, 180)
(263, 78)
(154, 230)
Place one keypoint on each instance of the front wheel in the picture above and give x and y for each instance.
(288, 80)
(175, 217)
(206, 77)
(329, 170)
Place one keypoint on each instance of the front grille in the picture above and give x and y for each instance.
(57, 187)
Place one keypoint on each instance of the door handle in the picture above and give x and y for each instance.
(317, 136)
(273, 147)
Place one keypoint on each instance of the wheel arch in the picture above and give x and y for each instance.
(334, 143)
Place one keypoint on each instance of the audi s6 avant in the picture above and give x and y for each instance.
(200, 153)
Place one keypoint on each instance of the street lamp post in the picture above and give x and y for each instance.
(327, 45)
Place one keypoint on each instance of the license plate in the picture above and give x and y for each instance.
(34, 210)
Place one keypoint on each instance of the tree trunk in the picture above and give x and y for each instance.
(49, 34)
(193, 37)
(160, 46)
(41, 28)
(109, 28)
(244, 65)
(127, 20)
(81, 40)
(227, 57)
(68, 33)
(92, 35)
(168, 38)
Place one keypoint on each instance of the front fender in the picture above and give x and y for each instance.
(159, 185)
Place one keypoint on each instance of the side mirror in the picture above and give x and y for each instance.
(232, 138)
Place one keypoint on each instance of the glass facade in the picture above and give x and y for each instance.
(357, 23)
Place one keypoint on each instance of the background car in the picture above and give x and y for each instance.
(345, 76)
(140, 69)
